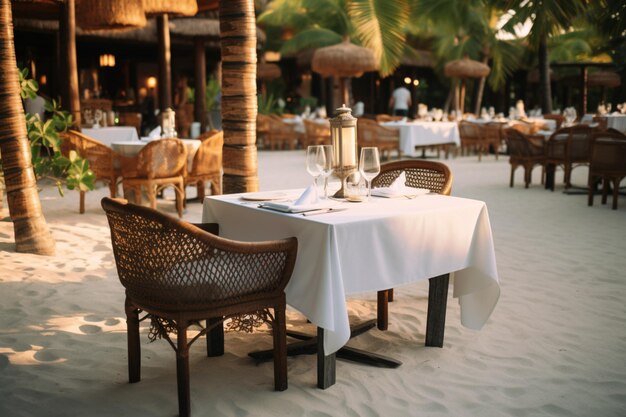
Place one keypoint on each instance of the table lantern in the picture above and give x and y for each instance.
(168, 124)
(343, 139)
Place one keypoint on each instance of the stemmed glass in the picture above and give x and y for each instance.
(327, 169)
(97, 117)
(570, 115)
(369, 166)
(315, 161)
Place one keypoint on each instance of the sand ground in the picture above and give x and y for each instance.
(554, 346)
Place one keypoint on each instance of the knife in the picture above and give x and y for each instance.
(322, 211)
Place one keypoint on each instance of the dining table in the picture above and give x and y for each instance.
(130, 148)
(108, 135)
(416, 134)
(359, 248)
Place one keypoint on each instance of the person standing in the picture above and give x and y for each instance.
(400, 101)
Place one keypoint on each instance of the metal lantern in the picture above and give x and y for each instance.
(343, 139)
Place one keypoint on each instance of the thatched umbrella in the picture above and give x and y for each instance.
(343, 60)
(465, 68)
(169, 7)
(267, 71)
(94, 15)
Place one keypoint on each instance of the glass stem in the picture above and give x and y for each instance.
(369, 190)
(325, 188)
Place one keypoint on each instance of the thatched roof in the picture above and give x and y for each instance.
(466, 68)
(608, 79)
(169, 7)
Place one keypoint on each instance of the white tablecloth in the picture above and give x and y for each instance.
(418, 133)
(132, 148)
(374, 246)
(108, 135)
(617, 122)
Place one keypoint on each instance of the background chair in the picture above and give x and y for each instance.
(207, 164)
(161, 163)
(282, 134)
(380, 118)
(179, 274)
(480, 137)
(432, 175)
(316, 133)
(386, 139)
(262, 130)
(608, 163)
(567, 147)
(101, 160)
(526, 151)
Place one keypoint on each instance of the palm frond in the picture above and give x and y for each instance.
(310, 38)
(380, 25)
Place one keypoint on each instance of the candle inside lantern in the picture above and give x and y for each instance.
(349, 147)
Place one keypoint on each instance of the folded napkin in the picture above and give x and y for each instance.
(308, 200)
(398, 188)
(155, 133)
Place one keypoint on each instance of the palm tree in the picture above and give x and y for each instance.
(31, 231)
(239, 95)
(547, 18)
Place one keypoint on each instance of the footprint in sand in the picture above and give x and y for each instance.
(90, 329)
(93, 318)
(111, 322)
(46, 356)
(4, 361)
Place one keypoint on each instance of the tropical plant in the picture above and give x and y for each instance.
(376, 24)
(45, 144)
(548, 18)
(212, 94)
(269, 105)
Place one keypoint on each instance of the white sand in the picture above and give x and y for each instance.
(554, 346)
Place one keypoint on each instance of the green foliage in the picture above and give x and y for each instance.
(45, 144)
(269, 105)
(212, 93)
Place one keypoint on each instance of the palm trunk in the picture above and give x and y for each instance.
(31, 231)
(239, 95)
(481, 90)
(544, 77)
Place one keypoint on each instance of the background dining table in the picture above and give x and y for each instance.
(420, 133)
(108, 135)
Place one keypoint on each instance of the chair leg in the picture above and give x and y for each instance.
(605, 189)
(152, 195)
(113, 188)
(182, 371)
(512, 175)
(215, 337)
(216, 185)
(280, 347)
(616, 182)
(134, 348)
(390, 295)
(591, 184)
(382, 310)
(200, 189)
(81, 208)
(180, 198)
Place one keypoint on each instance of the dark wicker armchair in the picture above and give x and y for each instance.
(100, 159)
(526, 151)
(180, 275)
(608, 163)
(433, 175)
(386, 139)
(568, 147)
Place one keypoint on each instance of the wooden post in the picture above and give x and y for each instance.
(583, 88)
(165, 70)
(200, 77)
(67, 30)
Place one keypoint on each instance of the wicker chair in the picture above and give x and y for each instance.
(282, 134)
(262, 130)
(526, 151)
(179, 275)
(100, 159)
(568, 147)
(316, 133)
(161, 163)
(207, 164)
(386, 139)
(479, 137)
(607, 162)
(420, 173)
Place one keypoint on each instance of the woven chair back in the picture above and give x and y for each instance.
(162, 158)
(520, 146)
(571, 143)
(608, 151)
(99, 156)
(432, 175)
(165, 262)
(208, 158)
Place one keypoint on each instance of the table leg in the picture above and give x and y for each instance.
(437, 302)
(325, 363)
(550, 174)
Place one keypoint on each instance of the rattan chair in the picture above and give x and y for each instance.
(480, 137)
(316, 133)
(568, 147)
(419, 173)
(100, 157)
(607, 163)
(262, 130)
(526, 151)
(207, 164)
(180, 275)
(386, 139)
(161, 163)
(282, 134)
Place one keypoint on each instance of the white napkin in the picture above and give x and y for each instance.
(398, 188)
(308, 200)
(155, 133)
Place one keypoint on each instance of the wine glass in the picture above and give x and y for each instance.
(97, 117)
(315, 161)
(369, 166)
(329, 162)
(570, 115)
